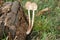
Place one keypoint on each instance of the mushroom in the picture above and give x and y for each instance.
(33, 8)
(28, 7)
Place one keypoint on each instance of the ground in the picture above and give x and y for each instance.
(47, 25)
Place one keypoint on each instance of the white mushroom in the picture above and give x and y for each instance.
(28, 7)
(34, 7)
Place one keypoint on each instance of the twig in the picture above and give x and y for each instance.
(43, 11)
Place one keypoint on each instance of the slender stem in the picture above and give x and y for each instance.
(29, 16)
(28, 30)
(31, 25)
(32, 19)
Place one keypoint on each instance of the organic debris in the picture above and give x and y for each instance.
(13, 21)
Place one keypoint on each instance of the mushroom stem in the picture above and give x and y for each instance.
(29, 28)
(33, 18)
(29, 16)
(30, 25)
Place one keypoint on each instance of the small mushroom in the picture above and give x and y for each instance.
(28, 7)
(34, 7)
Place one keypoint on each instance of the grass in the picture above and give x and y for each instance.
(45, 25)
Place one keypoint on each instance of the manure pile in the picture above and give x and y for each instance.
(13, 21)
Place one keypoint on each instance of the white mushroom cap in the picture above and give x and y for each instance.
(34, 6)
(28, 5)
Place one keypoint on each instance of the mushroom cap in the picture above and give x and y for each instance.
(28, 5)
(34, 6)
